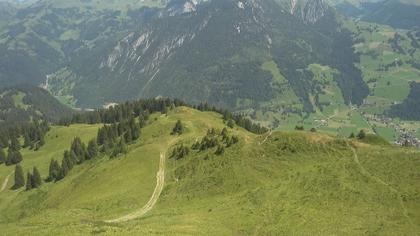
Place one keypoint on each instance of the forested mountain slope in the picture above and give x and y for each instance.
(196, 51)
(26, 103)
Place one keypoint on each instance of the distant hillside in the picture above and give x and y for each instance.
(24, 103)
(200, 182)
(409, 109)
(403, 14)
(233, 54)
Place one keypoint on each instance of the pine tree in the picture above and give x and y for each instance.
(67, 158)
(64, 169)
(19, 177)
(13, 157)
(14, 144)
(54, 170)
(361, 134)
(120, 148)
(79, 149)
(178, 129)
(128, 136)
(92, 148)
(36, 178)
(2, 156)
(28, 182)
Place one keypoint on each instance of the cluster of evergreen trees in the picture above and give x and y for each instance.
(77, 155)
(180, 152)
(234, 118)
(213, 139)
(113, 138)
(33, 134)
(140, 108)
(144, 107)
(32, 180)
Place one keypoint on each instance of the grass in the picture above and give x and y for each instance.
(295, 183)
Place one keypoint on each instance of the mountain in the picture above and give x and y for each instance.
(209, 50)
(215, 52)
(26, 103)
(297, 183)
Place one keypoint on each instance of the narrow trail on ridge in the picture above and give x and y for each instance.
(160, 181)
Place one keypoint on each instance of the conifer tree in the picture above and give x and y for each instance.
(67, 158)
(54, 170)
(28, 181)
(178, 129)
(19, 177)
(13, 157)
(128, 136)
(64, 169)
(14, 144)
(92, 148)
(36, 178)
(361, 135)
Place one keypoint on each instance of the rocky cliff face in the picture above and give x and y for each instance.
(309, 11)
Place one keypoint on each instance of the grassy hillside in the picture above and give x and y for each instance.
(283, 183)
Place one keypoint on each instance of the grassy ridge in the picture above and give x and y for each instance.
(285, 183)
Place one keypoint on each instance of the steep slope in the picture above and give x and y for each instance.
(277, 183)
(197, 50)
(214, 51)
(44, 36)
(25, 103)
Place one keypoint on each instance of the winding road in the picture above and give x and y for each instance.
(160, 181)
(3, 187)
(266, 137)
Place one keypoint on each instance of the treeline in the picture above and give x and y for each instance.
(143, 108)
(33, 137)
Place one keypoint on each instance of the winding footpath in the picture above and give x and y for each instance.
(160, 181)
(377, 179)
(3, 187)
(266, 137)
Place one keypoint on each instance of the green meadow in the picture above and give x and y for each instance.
(284, 183)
